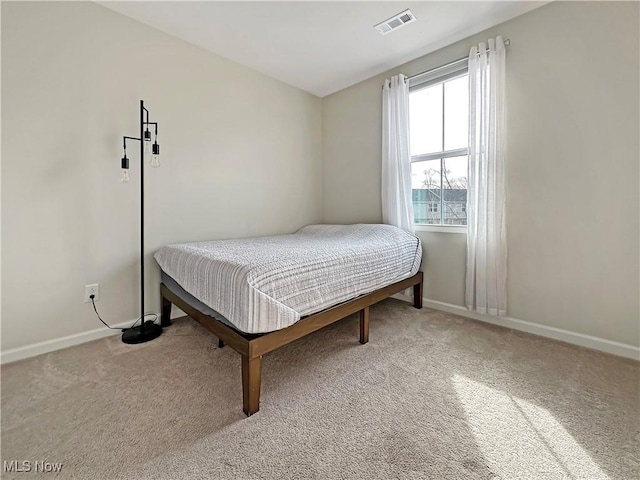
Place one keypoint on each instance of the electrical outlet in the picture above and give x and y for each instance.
(91, 290)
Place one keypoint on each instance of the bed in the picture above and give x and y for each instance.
(258, 294)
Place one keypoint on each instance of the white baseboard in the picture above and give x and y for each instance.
(595, 343)
(20, 353)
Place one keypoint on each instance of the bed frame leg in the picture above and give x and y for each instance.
(251, 371)
(364, 325)
(417, 295)
(220, 343)
(165, 316)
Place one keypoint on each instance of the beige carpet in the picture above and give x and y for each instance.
(431, 396)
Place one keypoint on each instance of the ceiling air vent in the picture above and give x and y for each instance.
(396, 21)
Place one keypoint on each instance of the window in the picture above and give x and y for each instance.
(439, 118)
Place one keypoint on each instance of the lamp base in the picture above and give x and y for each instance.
(136, 335)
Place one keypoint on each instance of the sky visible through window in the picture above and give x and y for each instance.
(426, 126)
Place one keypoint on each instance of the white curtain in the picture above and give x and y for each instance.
(397, 204)
(486, 278)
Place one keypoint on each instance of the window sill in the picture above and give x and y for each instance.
(442, 228)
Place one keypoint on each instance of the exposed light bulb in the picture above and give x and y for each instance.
(155, 160)
(125, 168)
(147, 146)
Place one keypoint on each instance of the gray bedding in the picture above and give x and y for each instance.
(268, 283)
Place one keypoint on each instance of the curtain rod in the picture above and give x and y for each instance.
(507, 42)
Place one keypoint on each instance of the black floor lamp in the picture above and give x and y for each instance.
(147, 330)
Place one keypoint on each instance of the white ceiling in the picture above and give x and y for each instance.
(321, 46)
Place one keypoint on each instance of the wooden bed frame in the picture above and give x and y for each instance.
(253, 347)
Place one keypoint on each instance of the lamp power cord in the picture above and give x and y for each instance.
(92, 297)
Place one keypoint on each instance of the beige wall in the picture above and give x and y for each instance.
(573, 177)
(241, 156)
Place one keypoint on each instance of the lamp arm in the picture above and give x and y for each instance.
(124, 141)
(153, 123)
(147, 112)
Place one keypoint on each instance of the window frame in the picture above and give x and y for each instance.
(424, 80)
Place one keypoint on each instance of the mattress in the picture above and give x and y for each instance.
(176, 289)
(265, 284)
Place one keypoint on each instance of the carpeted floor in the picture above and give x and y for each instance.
(431, 396)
